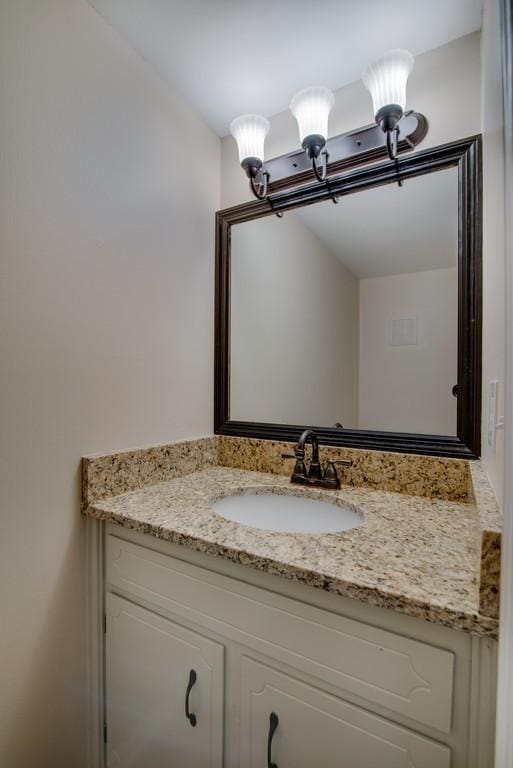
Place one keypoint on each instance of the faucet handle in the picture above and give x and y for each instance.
(343, 462)
(331, 477)
(299, 472)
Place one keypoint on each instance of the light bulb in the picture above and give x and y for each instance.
(311, 108)
(386, 80)
(249, 131)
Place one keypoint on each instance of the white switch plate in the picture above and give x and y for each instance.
(493, 403)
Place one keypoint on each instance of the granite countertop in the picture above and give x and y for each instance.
(417, 555)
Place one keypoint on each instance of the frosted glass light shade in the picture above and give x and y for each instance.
(386, 79)
(311, 108)
(249, 131)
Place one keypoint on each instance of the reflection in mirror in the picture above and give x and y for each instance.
(348, 314)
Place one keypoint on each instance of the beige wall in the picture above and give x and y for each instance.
(108, 187)
(493, 236)
(294, 332)
(408, 388)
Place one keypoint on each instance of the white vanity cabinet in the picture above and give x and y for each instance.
(285, 674)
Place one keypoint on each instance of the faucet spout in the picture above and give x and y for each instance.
(315, 470)
(300, 448)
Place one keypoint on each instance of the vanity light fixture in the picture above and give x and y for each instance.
(386, 80)
(249, 131)
(311, 108)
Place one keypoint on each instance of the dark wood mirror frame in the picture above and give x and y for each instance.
(466, 156)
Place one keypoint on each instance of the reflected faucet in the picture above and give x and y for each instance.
(314, 474)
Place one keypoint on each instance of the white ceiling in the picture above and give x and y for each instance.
(391, 230)
(227, 57)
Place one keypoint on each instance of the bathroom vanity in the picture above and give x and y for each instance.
(240, 620)
(223, 644)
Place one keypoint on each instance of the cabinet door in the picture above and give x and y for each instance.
(316, 729)
(151, 663)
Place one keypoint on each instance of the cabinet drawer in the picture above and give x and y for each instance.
(406, 676)
(305, 727)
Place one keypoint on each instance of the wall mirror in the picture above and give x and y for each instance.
(361, 319)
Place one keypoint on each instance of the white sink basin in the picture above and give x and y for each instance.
(287, 514)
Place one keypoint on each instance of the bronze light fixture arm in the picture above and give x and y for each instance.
(321, 172)
(357, 147)
(258, 177)
(259, 187)
(259, 181)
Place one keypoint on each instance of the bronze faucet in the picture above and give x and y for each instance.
(314, 475)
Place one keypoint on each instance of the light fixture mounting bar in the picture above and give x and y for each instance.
(357, 147)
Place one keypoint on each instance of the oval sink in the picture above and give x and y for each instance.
(287, 514)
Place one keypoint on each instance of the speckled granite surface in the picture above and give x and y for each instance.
(490, 524)
(115, 473)
(413, 554)
(430, 476)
